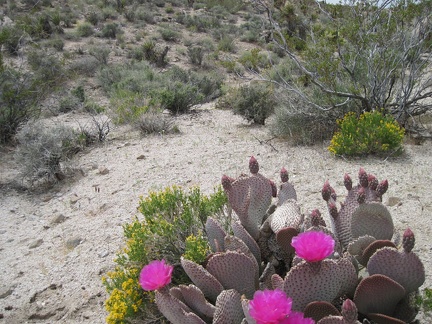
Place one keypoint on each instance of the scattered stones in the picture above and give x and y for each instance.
(141, 157)
(103, 170)
(35, 243)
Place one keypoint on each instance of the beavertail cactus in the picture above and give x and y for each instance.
(404, 267)
(362, 212)
(250, 197)
(296, 261)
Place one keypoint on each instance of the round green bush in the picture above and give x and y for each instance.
(370, 133)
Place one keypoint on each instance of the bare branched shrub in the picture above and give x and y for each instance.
(44, 152)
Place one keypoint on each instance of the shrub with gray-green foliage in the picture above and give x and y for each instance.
(20, 94)
(85, 29)
(156, 123)
(43, 151)
(254, 101)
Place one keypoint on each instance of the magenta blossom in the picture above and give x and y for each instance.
(269, 306)
(297, 318)
(313, 246)
(155, 275)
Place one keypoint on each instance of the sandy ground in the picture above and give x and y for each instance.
(55, 246)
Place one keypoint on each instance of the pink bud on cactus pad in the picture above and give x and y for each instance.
(373, 181)
(382, 188)
(313, 246)
(284, 175)
(253, 165)
(155, 275)
(297, 318)
(326, 191)
(269, 306)
(316, 217)
(226, 182)
(347, 181)
(349, 311)
(408, 240)
(363, 178)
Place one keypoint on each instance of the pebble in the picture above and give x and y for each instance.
(73, 242)
(60, 218)
(103, 170)
(103, 253)
(35, 244)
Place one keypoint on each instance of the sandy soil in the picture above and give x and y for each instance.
(55, 246)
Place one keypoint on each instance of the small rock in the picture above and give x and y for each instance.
(141, 157)
(393, 201)
(103, 170)
(35, 244)
(60, 218)
(103, 254)
(6, 291)
(73, 242)
(74, 198)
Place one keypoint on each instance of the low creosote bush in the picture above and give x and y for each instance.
(370, 133)
(170, 217)
(255, 102)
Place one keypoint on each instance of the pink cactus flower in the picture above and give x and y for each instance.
(313, 246)
(270, 306)
(155, 275)
(297, 318)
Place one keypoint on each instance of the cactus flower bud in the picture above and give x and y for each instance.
(408, 240)
(284, 175)
(326, 191)
(347, 182)
(253, 165)
(315, 217)
(226, 182)
(382, 188)
(363, 178)
(349, 311)
(373, 182)
(361, 195)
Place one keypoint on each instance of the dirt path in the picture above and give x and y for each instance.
(56, 246)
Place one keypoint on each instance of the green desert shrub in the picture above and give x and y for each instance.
(110, 30)
(43, 151)
(20, 94)
(47, 67)
(154, 122)
(167, 219)
(85, 65)
(196, 55)
(12, 38)
(255, 102)
(254, 60)
(127, 106)
(85, 29)
(370, 133)
(305, 126)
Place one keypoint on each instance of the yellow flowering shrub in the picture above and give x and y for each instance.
(197, 248)
(170, 224)
(371, 133)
